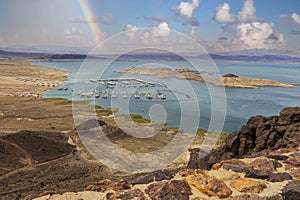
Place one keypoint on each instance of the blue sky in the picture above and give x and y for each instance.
(219, 25)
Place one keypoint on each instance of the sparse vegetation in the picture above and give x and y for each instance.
(139, 118)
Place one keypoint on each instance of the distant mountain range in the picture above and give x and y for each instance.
(48, 49)
(253, 55)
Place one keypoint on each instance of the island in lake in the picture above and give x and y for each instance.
(228, 80)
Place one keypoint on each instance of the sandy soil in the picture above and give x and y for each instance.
(26, 80)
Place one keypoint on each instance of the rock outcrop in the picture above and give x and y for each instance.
(266, 133)
(259, 162)
(291, 191)
(259, 136)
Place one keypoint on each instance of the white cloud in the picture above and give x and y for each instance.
(248, 12)
(246, 31)
(77, 37)
(223, 14)
(159, 33)
(162, 30)
(296, 18)
(130, 30)
(187, 8)
(257, 35)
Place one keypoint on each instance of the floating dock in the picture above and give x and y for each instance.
(126, 82)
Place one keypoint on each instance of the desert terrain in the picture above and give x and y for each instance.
(42, 156)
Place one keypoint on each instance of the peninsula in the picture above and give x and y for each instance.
(229, 80)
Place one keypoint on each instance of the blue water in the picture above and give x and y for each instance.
(240, 103)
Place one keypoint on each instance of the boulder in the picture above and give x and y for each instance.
(291, 191)
(132, 194)
(278, 157)
(158, 175)
(242, 168)
(264, 164)
(248, 185)
(258, 174)
(295, 172)
(279, 177)
(175, 189)
(209, 185)
(217, 166)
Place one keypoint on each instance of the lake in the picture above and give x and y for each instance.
(240, 103)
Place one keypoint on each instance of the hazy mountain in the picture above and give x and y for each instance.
(62, 52)
(50, 49)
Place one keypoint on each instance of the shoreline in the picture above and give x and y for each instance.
(228, 80)
(27, 80)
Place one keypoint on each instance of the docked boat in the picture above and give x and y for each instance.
(124, 95)
(149, 96)
(136, 96)
(105, 94)
(97, 95)
(162, 97)
(115, 94)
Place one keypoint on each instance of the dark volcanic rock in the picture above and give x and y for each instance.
(278, 156)
(291, 191)
(258, 174)
(172, 190)
(41, 146)
(153, 176)
(264, 164)
(293, 161)
(259, 136)
(267, 133)
(107, 184)
(196, 162)
(132, 194)
(296, 155)
(237, 167)
(11, 157)
(279, 177)
(230, 75)
(90, 124)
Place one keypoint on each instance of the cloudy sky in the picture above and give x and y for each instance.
(219, 25)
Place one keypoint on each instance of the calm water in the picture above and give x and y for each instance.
(241, 103)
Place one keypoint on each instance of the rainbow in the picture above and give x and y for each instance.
(91, 20)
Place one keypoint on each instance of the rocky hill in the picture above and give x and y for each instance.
(259, 162)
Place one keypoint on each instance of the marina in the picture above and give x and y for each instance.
(126, 82)
(136, 89)
(145, 95)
